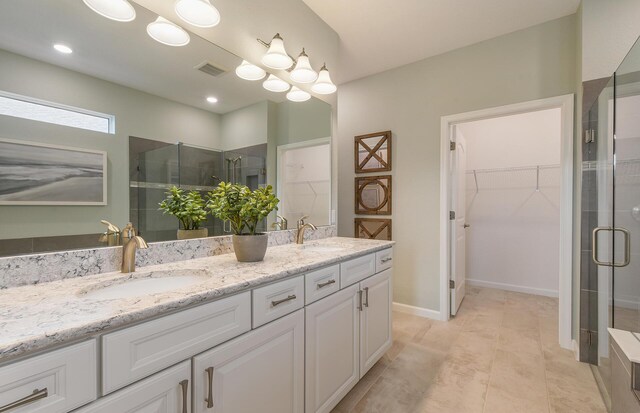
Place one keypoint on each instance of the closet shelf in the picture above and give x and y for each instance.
(521, 177)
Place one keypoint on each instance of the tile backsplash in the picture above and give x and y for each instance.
(38, 268)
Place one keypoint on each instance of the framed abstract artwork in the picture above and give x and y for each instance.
(41, 174)
(373, 195)
(373, 152)
(373, 228)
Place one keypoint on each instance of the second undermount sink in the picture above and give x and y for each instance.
(322, 248)
(144, 284)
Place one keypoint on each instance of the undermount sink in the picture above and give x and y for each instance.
(144, 284)
(323, 248)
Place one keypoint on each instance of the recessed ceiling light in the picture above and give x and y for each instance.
(212, 99)
(199, 13)
(62, 48)
(118, 10)
(169, 33)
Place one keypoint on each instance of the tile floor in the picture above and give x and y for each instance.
(500, 354)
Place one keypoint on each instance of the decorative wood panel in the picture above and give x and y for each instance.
(373, 228)
(373, 152)
(373, 195)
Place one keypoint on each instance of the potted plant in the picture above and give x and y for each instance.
(189, 208)
(244, 209)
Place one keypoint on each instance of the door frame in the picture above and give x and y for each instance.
(566, 104)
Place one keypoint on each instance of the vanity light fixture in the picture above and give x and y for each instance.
(297, 95)
(324, 85)
(249, 71)
(63, 48)
(276, 56)
(212, 99)
(118, 10)
(303, 72)
(275, 84)
(169, 33)
(199, 13)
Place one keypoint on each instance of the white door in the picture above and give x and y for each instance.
(260, 371)
(375, 319)
(332, 349)
(164, 392)
(458, 225)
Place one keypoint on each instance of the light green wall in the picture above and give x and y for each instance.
(302, 121)
(534, 63)
(245, 127)
(137, 114)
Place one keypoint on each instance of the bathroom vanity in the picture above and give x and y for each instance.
(291, 334)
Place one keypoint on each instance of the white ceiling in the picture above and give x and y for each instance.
(123, 53)
(377, 35)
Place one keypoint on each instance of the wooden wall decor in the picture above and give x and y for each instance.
(373, 195)
(373, 228)
(373, 152)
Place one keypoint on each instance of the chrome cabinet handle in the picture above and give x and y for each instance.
(209, 398)
(366, 296)
(284, 300)
(185, 388)
(466, 225)
(627, 246)
(386, 260)
(324, 284)
(360, 300)
(36, 395)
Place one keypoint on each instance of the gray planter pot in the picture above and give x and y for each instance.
(250, 248)
(193, 233)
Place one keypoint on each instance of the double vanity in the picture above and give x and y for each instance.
(291, 334)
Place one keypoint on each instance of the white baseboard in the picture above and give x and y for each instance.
(419, 311)
(511, 287)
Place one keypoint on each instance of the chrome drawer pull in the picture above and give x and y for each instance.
(209, 398)
(36, 395)
(324, 284)
(185, 387)
(386, 260)
(284, 300)
(366, 296)
(360, 300)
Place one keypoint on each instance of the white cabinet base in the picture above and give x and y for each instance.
(375, 320)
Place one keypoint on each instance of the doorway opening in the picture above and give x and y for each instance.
(507, 205)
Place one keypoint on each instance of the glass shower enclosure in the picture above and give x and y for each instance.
(156, 166)
(610, 265)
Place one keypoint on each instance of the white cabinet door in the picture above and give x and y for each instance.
(375, 319)
(164, 392)
(261, 371)
(332, 328)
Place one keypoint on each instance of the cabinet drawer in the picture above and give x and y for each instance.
(139, 351)
(321, 283)
(384, 260)
(277, 300)
(65, 379)
(357, 269)
(165, 392)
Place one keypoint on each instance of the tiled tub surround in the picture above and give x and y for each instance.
(35, 317)
(39, 268)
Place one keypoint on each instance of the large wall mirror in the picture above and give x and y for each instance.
(128, 114)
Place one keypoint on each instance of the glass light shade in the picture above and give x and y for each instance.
(276, 57)
(275, 84)
(324, 85)
(118, 10)
(248, 71)
(199, 13)
(166, 32)
(297, 95)
(303, 72)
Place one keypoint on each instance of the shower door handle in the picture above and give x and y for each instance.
(627, 246)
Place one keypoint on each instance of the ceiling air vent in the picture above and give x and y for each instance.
(210, 69)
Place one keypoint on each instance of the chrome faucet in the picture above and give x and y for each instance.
(131, 244)
(301, 227)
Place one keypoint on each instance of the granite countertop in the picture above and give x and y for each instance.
(38, 316)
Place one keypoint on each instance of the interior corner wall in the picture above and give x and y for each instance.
(534, 63)
(609, 30)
